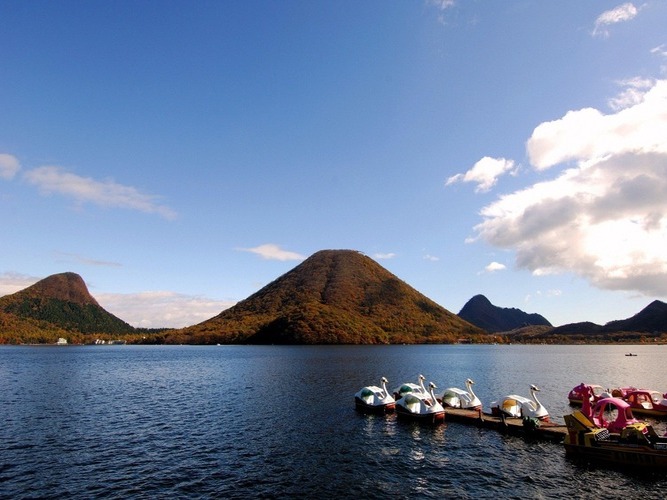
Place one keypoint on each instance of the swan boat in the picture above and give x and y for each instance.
(624, 441)
(421, 407)
(461, 398)
(520, 406)
(409, 387)
(375, 399)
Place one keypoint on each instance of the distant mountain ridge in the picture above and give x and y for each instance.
(333, 297)
(63, 302)
(651, 320)
(482, 313)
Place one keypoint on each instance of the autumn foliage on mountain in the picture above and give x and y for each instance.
(57, 306)
(333, 297)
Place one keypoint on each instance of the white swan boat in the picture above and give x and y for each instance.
(520, 406)
(421, 407)
(461, 398)
(409, 387)
(375, 399)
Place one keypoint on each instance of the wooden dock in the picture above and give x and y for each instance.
(549, 431)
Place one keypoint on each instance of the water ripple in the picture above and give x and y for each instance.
(267, 422)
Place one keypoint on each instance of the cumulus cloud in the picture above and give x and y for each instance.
(432, 258)
(161, 309)
(9, 166)
(589, 135)
(53, 179)
(384, 256)
(485, 173)
(495, 266)
(270, 251)
(604, 215)
(633, 93)
(622, 13)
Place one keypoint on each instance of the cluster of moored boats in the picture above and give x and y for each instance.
(603, 430)
(642, 401)
(415, 401)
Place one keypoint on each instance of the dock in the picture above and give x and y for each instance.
(549, 431)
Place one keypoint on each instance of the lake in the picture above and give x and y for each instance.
(279, 422)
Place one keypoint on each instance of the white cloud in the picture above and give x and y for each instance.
(432, 258)
(384, 256)
(442, 6)
(485, 173)
(9, 165)
(603, 218)
(660, 50)
(588, 134)
(622, 13)
(270, 251)
(161, 309)
(11, 282)
(53, 179)
(495, 266)
(633, 93)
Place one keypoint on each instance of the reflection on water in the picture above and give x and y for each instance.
(236, 421)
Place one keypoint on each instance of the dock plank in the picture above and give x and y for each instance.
(550, 431)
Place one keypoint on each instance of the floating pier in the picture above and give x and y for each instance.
(550, 431)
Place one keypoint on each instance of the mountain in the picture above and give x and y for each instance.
(651, 319)
(333, 297)
(482, 313)
(61, 303)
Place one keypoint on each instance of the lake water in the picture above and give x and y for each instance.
(269, 421)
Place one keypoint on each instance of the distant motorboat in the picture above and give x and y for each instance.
(630, 354)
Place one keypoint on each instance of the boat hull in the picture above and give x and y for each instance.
(636, 445)
(650, 412)
(362, 406)
(428, 418)
(621, 454)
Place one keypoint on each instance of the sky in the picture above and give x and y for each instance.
(181, 155)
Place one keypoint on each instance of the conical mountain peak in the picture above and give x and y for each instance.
(333, 297)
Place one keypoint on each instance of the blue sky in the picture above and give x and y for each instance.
(181, 155)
